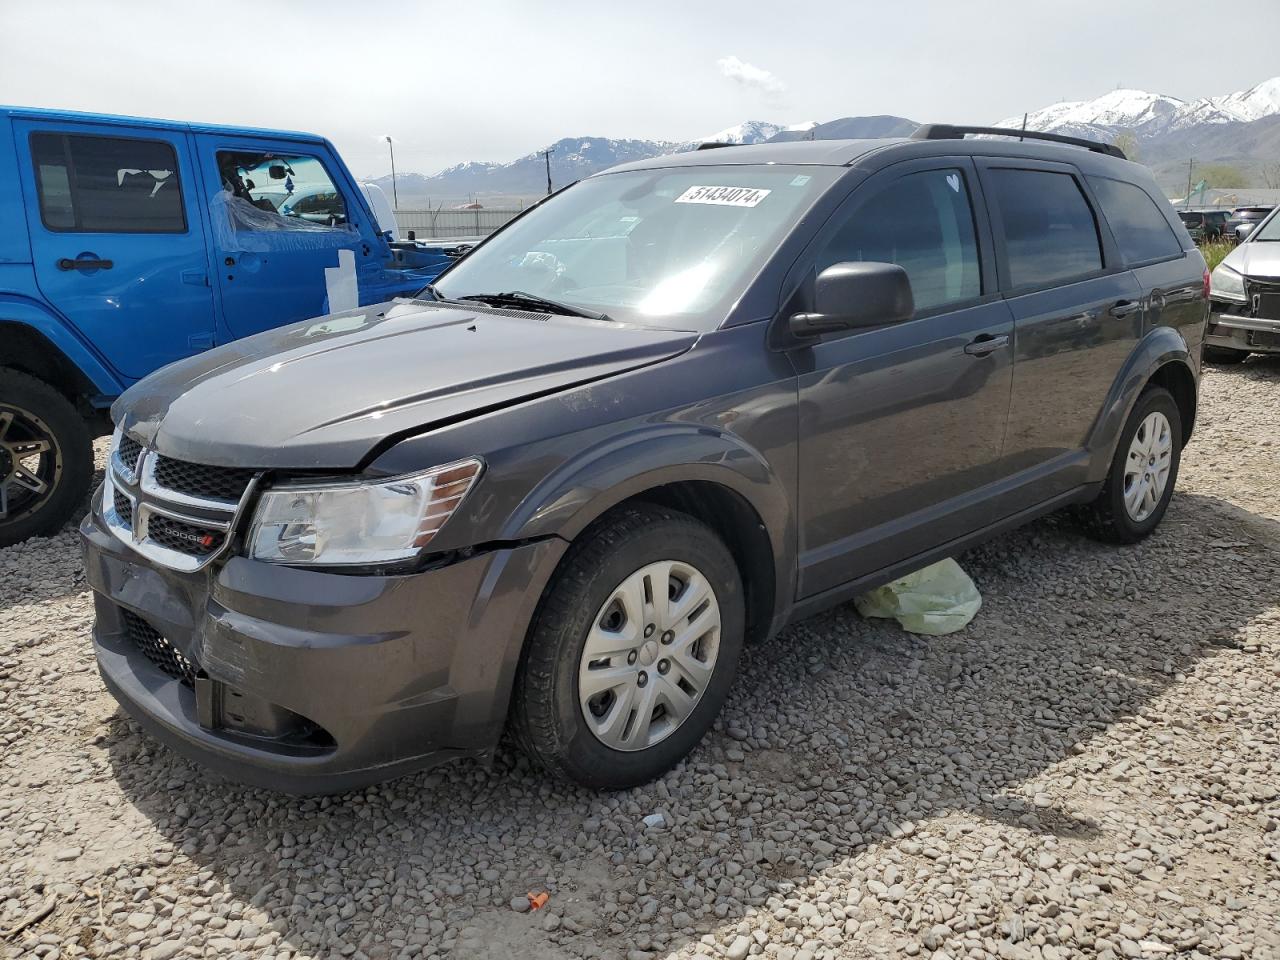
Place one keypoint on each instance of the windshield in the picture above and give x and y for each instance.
(669, 248)
(1269, 230)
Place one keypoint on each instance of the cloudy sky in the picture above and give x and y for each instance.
(495, 79)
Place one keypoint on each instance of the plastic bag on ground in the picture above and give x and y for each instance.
(937, 599)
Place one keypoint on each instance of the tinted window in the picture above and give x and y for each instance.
(1137, 223)
(924, 223)
(1049, 231)
(107, 184)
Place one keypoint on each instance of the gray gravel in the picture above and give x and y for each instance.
(1092, 768)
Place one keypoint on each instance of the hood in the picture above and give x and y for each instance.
(1255, 259)
(323, 393)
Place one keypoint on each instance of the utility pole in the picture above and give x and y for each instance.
(395, 197)
(546, 156)
(1190, 166)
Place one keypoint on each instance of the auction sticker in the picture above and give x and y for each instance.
(724, 196)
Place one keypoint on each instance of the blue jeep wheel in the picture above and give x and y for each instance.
(46, 458)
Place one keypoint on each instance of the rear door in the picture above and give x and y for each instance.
(287, 235)
(117, 238)
(1077, 314)
(1172, 280)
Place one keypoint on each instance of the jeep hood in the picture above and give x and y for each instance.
(323, 393)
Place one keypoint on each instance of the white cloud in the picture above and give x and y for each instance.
(749, 75)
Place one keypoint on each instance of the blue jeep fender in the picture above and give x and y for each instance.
(59, 336)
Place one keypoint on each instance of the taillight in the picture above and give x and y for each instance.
(1206, 283)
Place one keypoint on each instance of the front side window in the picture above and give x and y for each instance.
(1049, 231)
(1137, 223)
(672, 247)
(924, 223)
(90, 184)
(277, 201)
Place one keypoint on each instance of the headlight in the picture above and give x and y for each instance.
(1226, 283)
(358, 523)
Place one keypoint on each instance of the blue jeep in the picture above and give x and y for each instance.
(126, 244)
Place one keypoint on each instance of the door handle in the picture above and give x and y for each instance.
(985, 345)
(1124, 308)
(66, 263)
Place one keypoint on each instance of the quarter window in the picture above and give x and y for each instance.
(107, 184)
(924, 223)
(1049, 231)
(1137, 223)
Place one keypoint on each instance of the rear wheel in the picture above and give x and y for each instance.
(46, 458)
(1143, 471)
(633, 650)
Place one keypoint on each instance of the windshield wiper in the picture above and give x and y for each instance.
(518, 298)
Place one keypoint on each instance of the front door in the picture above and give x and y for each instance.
(287, 239)
(901, 427)
(117, 239)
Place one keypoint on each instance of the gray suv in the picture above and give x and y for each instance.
(666, 412)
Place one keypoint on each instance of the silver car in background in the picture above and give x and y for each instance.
(1245, 297)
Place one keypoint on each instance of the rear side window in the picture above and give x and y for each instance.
(107, 184)
(1139, 227)
(1049, 231)
(924, 223)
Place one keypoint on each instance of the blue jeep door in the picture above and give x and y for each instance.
(117, 238)
(287, 238)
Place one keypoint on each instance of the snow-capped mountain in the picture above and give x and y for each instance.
(753, 131)
(1149, 114)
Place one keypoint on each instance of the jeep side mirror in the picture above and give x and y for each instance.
(850, 296)
(1244, 230)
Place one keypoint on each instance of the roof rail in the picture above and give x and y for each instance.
(716, 145)
(946, 131)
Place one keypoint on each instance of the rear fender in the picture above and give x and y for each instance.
(1161, 346)
(58, 334)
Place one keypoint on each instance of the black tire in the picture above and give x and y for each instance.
(32, 412)
(1223, 355)
(547, 718)
(1107, 518)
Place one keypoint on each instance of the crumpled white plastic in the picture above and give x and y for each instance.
(938, 599)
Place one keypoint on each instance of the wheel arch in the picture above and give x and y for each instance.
(1161, 357)
(710, 475)
(41, 345)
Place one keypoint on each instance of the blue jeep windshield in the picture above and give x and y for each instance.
(672, 247)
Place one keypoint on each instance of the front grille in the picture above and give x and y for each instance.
(124, 509)
(199, 480)
(157, 649)
(128, 453)
(188, 538)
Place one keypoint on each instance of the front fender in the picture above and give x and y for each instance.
(61, 336)
(585, 487)
(1162, 345)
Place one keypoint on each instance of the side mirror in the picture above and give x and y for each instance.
(849, 296)
(276, 171)
(1244, 230)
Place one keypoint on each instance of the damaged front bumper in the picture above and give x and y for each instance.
(309, 681)
(1234, 327)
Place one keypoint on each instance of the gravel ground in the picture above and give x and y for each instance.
(1092, 768)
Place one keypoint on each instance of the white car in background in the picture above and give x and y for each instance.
(1245, 297)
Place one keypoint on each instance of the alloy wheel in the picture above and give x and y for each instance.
(649, 655)
(30, 463)
(1146, 468)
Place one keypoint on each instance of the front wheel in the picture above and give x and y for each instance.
(1143, 472)
(633, 649)
(46, 458)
